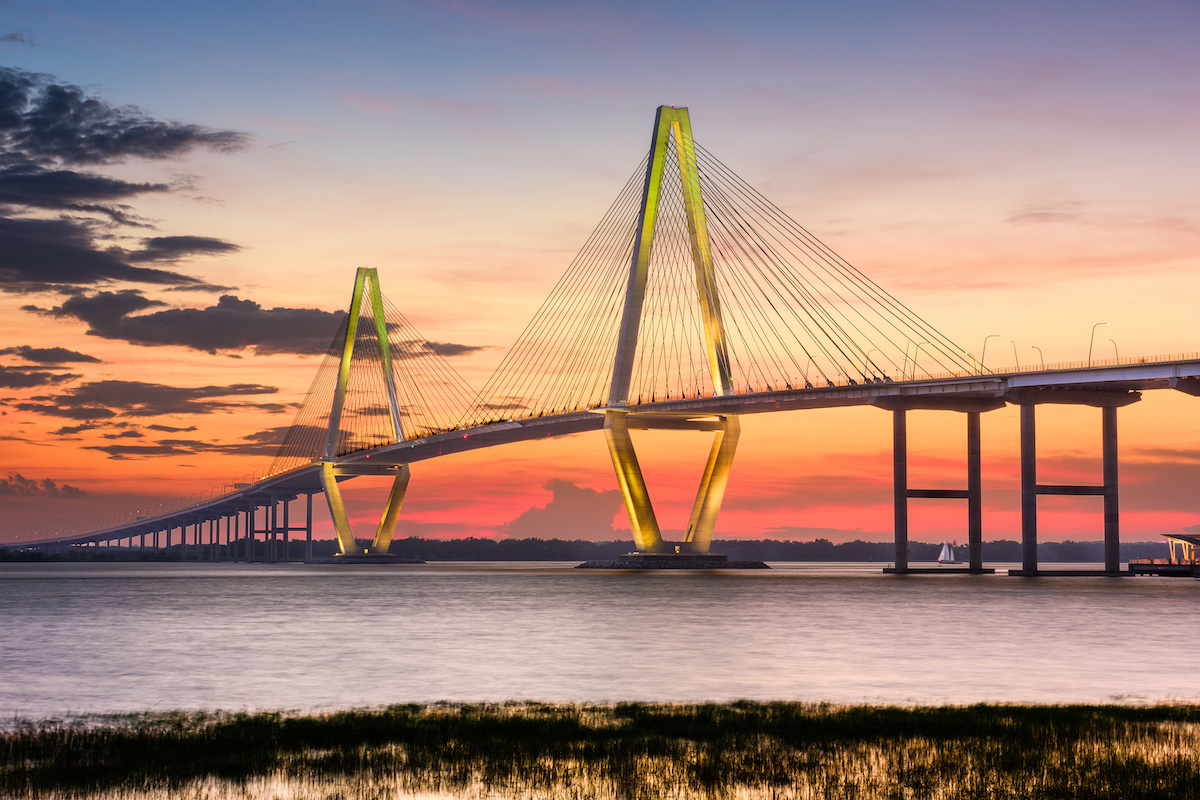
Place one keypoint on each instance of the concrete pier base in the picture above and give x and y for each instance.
(1069, 573)
(365, 558)
(672, 561)
(958, 570)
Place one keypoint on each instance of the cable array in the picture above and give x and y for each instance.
(563, 360)
(794, 313)
(432, 395)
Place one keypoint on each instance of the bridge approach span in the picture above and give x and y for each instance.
(1097, 385)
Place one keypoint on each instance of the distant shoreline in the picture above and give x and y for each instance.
(476, 549)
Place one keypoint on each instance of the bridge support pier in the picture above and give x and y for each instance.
(337, 507)
(647, 537)
(308, 554)
(287, 530)
(272, 532)
(973, 494)
(1108, 402)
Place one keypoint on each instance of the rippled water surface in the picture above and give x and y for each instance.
(81, 638)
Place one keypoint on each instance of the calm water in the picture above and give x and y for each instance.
(130, 637)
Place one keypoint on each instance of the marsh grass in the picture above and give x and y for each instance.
(631, 750)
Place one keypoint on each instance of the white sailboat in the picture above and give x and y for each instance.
(947, 554)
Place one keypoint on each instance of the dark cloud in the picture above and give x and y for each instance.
(71, 412)
(262, 443)
(106, 399)
(71, 430)
(170, 429)
(58, 252)
(506, 404)
(17, 38)
(201, 287)
(415, 348)
(32, 186)
(17, 485)
(173, 248)
(126, 434)
(44, 119)
(22, 378)
(48, 355)
(102, 310)
(47, 130)
(232, 324)
(574, 512)
(124, 451)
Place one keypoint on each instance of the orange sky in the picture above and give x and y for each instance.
(1012, 171)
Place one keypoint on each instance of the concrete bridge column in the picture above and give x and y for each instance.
(1112, 515)
(274, 528)
(1029, 557)
(308, 554)
(900, 486)
(248, 539)
(287, 527)
(974, 493)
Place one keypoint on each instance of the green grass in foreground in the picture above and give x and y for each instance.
(627, 750)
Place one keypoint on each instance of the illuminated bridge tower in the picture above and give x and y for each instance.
(366, 305)
(672, 129)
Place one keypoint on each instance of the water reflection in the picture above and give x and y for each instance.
(132, 637)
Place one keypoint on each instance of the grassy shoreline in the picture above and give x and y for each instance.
(631, 750)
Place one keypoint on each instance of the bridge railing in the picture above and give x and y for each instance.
(918, 374)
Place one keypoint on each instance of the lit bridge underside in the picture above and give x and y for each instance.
(693, 288)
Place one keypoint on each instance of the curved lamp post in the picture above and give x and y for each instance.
(1115, 350)
(1041, 357)
(916, 354)
(1092, 340)
(983, 353)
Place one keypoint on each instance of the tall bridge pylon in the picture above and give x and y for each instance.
(672, 130)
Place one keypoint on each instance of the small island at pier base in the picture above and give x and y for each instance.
(675, 557)
(743, 750)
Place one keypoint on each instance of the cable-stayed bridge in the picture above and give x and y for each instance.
(694, 301)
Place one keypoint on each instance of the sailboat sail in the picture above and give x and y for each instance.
(947, 554)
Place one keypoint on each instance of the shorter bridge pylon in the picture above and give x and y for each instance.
(365, 304)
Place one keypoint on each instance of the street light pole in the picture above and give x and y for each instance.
(1115, 350)
(1016, 357)
(1092, 340)
(916, 353)
(983, 354)
(1041, 357)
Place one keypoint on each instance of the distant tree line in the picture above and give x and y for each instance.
(477, 549)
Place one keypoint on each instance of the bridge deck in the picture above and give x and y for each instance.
(944, 392)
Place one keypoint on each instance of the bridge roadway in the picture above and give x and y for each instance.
(1080, 385)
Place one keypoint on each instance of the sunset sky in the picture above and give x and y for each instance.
(187, 190)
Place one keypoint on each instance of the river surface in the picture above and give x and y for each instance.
(95, 638)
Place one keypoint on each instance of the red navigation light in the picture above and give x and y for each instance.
(464, 436)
